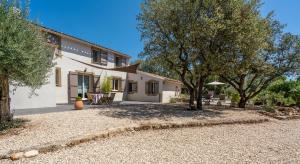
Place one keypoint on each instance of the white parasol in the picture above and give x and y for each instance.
(215, 83)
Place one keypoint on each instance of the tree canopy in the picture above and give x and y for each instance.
(231, 39)
(25, 57)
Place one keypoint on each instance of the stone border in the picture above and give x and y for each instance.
(34, 151)
(293, 117)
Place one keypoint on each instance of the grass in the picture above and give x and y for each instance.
(15, 123)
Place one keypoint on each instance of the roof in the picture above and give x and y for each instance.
(160, 77)
(83, 41)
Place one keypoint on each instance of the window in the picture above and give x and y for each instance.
(132, 87)
(118, 61)
(58, 76)
(95, 56)
(126, 62)
(84, 85)
(53, 39)
(116, 84)
(152, 88)
(104, 57)
(99, 57)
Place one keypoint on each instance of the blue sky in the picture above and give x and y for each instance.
(112, 23)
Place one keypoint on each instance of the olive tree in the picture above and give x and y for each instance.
(190, 37)
(261, 52)
(25, 58)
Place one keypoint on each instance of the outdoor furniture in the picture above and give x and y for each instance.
(95, 98)
(107, 98)
(222, 96)
(209, 96)
(111, 98)
(90, 98)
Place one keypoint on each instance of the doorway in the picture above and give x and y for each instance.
(83, 86)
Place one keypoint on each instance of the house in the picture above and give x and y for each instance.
(80, 68)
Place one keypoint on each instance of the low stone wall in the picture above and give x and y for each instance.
(34, 151)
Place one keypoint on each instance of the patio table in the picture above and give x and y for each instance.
(96, 97)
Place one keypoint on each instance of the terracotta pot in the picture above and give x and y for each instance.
(78, 104)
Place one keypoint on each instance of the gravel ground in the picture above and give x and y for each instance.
(273, 142)
(56, 127)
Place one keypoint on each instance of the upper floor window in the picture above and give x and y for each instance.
(53, 39)
(99, 57)
(118, 61)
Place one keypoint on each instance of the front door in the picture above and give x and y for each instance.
(83, 86)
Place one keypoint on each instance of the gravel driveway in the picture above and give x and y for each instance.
(62, 126)
(273, 142)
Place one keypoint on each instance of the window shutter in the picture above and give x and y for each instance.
(134, 87)
(156, 88)
(97, 84)
(121, 85)
(146, 88)
(58, 76)
(91, 84)
(94, 56)
(73, 83)
(123, 62)
(104, 58)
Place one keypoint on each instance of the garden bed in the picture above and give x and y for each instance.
(12, 126)
(281, 113)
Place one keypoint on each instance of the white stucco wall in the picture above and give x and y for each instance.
(23, 99)
(170, 91)
(140, 94)
(49, 95)
(66, 64)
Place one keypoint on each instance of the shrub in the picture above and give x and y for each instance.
(270, 109)
(235, 97)
(15, 123)
(78, 98)
(106, 85)
(173, 100)
(280, 93)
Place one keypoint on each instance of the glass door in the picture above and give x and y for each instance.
(83, 86)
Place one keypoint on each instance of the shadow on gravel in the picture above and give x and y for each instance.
(158, 111)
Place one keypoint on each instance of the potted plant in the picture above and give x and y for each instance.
(106, 86)
(78, 103)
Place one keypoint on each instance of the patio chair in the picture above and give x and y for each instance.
(90, 98)
(111, 98)
(104, 99)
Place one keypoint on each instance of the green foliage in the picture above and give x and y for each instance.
(15, 123)
(106, 86)
(235, 98)
(270, 109)
(261, 54)
(230, 38)
(281, 92)
(189, 37)
(173, 100)
(78, 98)
(25, 57)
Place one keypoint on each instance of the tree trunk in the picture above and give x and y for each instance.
(200, 92)
(243, 101)
(192, 99)
(4, 99)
